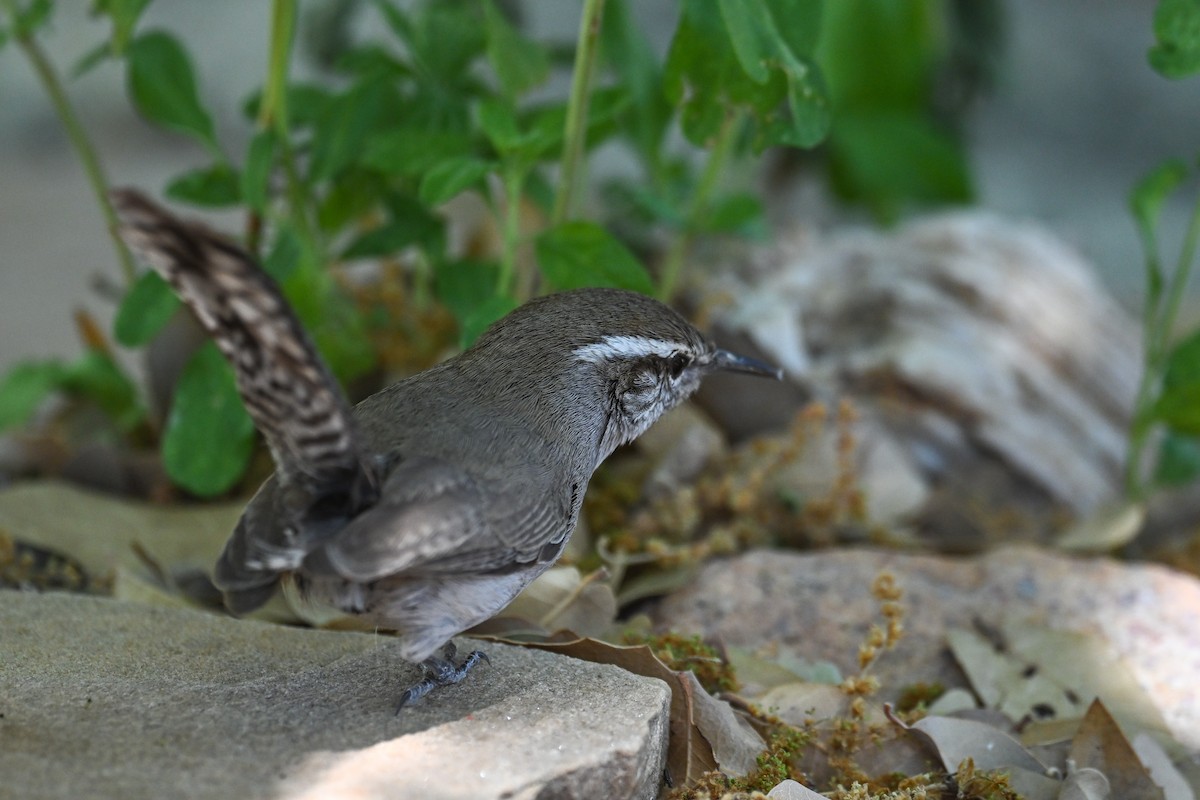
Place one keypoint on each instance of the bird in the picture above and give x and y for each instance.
(428, 506)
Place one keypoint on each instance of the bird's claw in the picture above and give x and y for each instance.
(441, 671)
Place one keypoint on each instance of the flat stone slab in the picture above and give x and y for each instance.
(107, 699)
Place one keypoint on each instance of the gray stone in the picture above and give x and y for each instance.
(820, 606)
(100, 698)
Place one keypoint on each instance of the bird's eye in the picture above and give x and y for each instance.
(677, 363)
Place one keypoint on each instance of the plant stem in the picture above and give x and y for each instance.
(514, 180)
(78, 137)
(575, 132)
(1157, 329)
(709, 179)
(273, 111)
(272, 115)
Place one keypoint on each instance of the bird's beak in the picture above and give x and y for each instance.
(731, 362)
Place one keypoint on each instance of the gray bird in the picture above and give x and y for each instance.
(427, 507)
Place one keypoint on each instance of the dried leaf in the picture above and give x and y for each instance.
(563, 599)
(1106, 530)
(1085, 784)
(99, 532)
(799, 702)
(790, 790)
(955, 740)
(137, 587)
(1163, 771)
(953, 700)
(1039, 673)
(757, 674)
(1100, 744)
(734, 743)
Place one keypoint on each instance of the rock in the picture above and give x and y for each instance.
(680, 446)
(819, 605)
(986, 348)
(101, 532)
(100, 698)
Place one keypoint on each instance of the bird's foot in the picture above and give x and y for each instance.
(441, 671)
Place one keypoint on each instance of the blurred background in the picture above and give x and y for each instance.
(1073, 117)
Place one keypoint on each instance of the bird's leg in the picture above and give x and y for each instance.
(441, 671)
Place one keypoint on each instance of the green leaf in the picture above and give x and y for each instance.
(97, 377)
(256, 174)
(1176, 54)
(520, 63)
(577, 254)
(631, 57)
(329, 315)
(146, 308)
(305, 105)
(163, 86)
(410, 224)
(355, 193)
(757, 40)
(1179, 401)
(498, 119)
(729, 58)
(24, 387)
(487, 312)
(448, 178)
(735, 213)
(91, 59)
(1148, 197)
(444, 38)
(880, 55)
(124, 15)
(208, 436)
(94, 376)
(463, 286)
(29, 18)
(284, 257)
(1178, 460)
(218, 186)
(889, 159)
(386, 240)
(346, 125)
(412, 150)
(545, 125)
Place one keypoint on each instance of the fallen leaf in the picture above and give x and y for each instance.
(1101, 745)
(799, 702)
(99, 531)
(951, 701)
(563, 599)
(790, 790)
(1106, 530)
(1162, 769)
(1085, 784)
(1031, 672)
(735, 745)
(956, 740)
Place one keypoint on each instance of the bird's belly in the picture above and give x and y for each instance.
(425, 610)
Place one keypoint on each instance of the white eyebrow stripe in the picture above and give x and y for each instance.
(623, 346)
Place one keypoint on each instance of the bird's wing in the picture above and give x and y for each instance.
(286, 387)
(433, 517)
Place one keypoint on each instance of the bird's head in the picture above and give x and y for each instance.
(639, 357)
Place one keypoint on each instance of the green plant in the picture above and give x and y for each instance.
(437, 106)
(1168, 396)
(439, 100)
